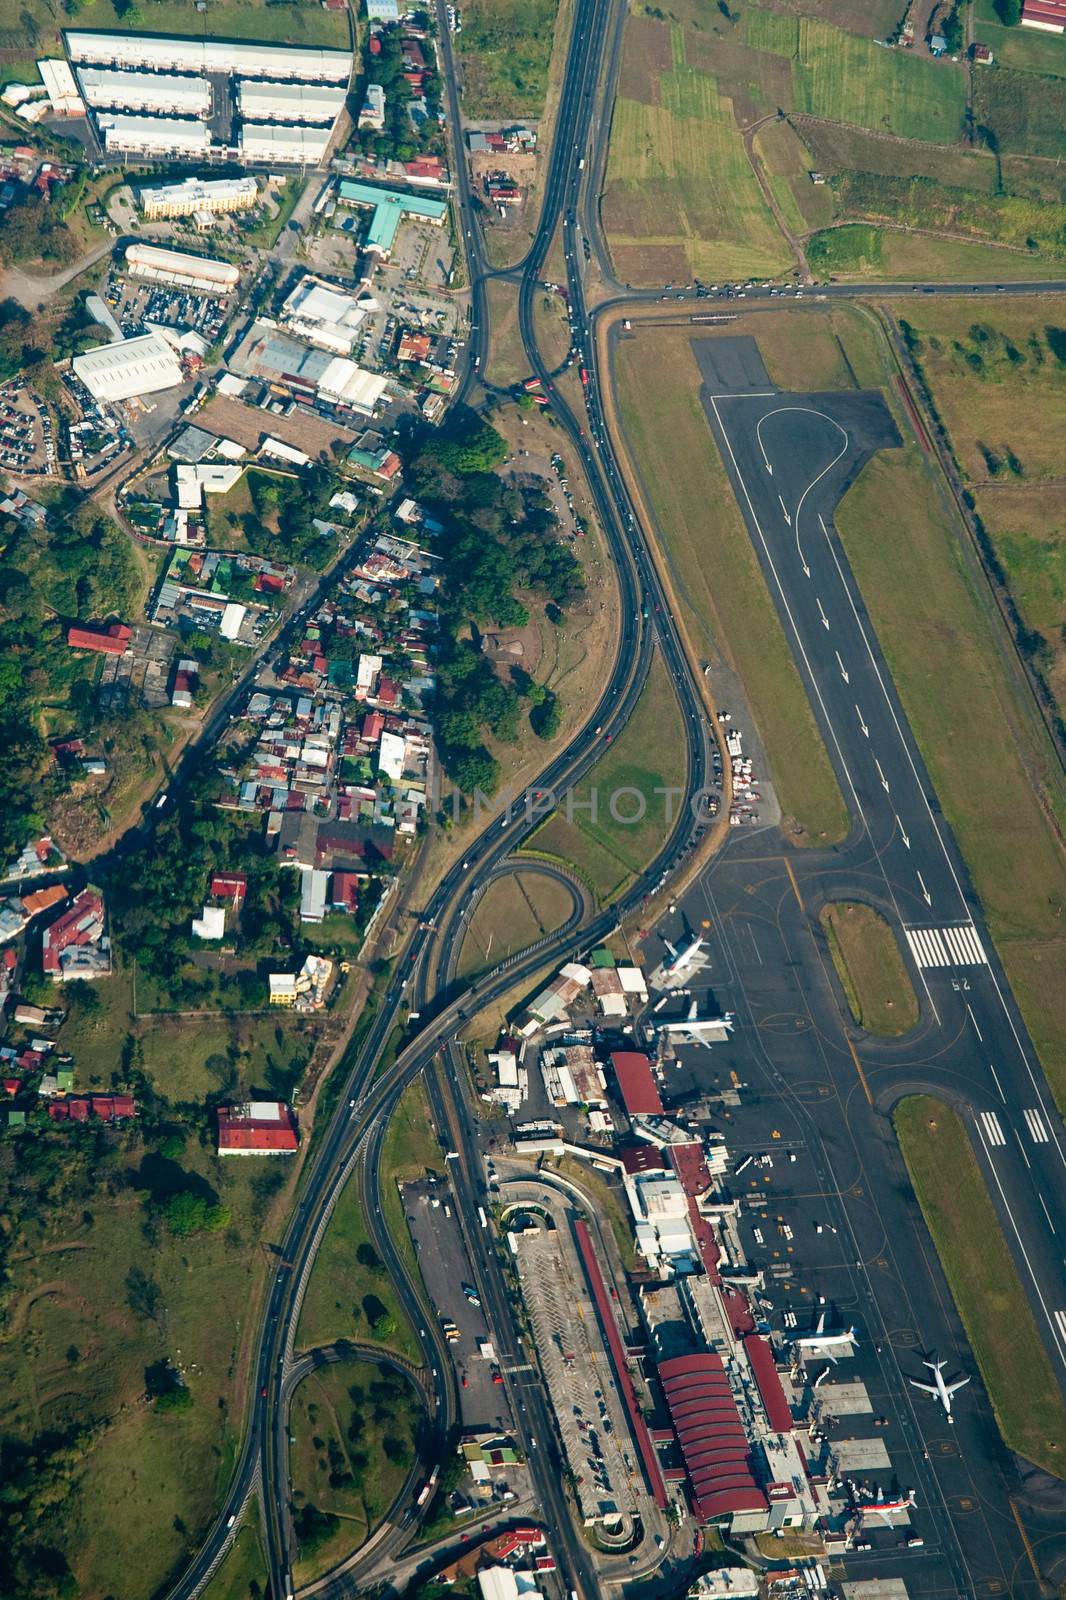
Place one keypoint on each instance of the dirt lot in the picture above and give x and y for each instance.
(249, 426)
(519, 168)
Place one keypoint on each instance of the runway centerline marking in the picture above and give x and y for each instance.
(807, 664)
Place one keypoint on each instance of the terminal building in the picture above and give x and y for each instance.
(212, 196)
(160, 265)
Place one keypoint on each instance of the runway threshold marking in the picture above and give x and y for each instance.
(1036, 1125)
(993, 1128)
(955, 946)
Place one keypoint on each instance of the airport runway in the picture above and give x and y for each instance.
(790, 457)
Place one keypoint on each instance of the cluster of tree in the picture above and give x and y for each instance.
(313, 1528)
(498, 542)
(35, 1482)
(1009, 12)
(166, 1388)
(399, 139)
(290, 505)
(78, 567)
(187, 1212)
(22, 343)
(34, 231)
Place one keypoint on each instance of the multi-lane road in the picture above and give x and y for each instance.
(899, 843)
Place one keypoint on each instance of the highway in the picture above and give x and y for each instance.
(888, 791)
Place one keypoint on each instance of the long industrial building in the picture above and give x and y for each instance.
(129, 367)
(242, 58)
(213, 195)
(155, 136)
(176, 266)
(269, 141)
(159, 92)
(289, 102)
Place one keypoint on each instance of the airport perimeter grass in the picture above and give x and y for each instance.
(725, 604)
(331, 1431)
(984, 1282)
(870, 967)
(513, 913)
(242, 1575)
(297, 22)
(991, 763)
(863, 250)
(649, 755)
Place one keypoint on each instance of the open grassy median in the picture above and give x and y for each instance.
(984, 1282)
(513, 913)
(724, 602)
(628, 782)
(987, 752)
(242, 1575)
(870, 967)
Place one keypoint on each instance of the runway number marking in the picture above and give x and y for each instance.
(993, 1128)
(1037, 1126)
(957, 946)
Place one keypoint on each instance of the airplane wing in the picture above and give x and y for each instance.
(672, 948)
(926, 1388)
(692, 1010)
(960, 1383)
(821, 1324)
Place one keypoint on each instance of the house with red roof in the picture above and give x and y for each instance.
(76, 945)
(111, 641)
(257, 1128)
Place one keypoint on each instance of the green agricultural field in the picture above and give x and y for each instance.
(355, 1430)
(722, 596)
(298, 22)
(984, 1281)
(648, 756)
(1026, 112)
(870, 967)
(505, 53)
(678, 177)
(849, 79)
(947, 654)
(932, 206)
(862, 250)
(1024, 48)
(788, 165)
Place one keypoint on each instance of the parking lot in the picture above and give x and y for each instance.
(588, 1408)
(27, 438)
(445, 1267)
(135, 303)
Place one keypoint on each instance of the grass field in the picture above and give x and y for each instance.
(512, 914)
(300, 22)
(1024, 224)
(865, 251)
(242, 1575)
(505, 54)
(80, 1335)
(1023, 48)
(943, 645)
(648, 755)
(411, 1149)
(835, 147)
(984, 1282)
(1026, 111)
(724, 601)
(870, 967)
(1000, 386)
(354, 1428)
(349, 1289)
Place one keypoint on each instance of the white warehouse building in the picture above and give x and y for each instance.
(158, 136)
(176, 266)
(129, 367)
(268, 142)
(160, 92)
(295, 102)
(241, 58)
